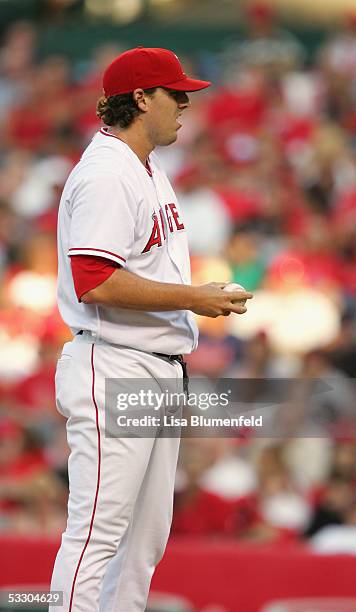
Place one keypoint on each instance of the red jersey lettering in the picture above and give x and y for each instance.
(158, 233)
(162, 223)
(155, 238)
(175, 215)
(169, 218)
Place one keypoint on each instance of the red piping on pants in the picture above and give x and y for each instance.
(97, 482)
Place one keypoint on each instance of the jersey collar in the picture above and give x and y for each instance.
(105, 132)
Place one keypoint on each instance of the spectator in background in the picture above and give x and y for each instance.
(50, 92)
(344, 464)
(339, 538)
(9, 234)
(267, 47)
(17, 57)
(57, 10)
(217, 351)
(32, 499)
(87, 86)
(29, 307)
(196, 186)
(343, 348)
(334, 405)
(232, 476)
(243, 255)
(331, 171)
(344, 223)
(332, 503)
(198, 511)
(282, 509)
(338, 63)
(257, 360)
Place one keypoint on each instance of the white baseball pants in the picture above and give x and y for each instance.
(121, 489)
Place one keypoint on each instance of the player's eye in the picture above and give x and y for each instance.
(179, 96)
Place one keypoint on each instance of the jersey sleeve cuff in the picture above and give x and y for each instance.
(98, 252)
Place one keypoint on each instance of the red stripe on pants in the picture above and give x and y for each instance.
(97, 482)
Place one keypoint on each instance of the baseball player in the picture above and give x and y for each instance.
(124, 290)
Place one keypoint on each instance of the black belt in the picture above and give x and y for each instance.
(169, 357)
(183, 364)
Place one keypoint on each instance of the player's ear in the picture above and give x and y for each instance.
(141, 99)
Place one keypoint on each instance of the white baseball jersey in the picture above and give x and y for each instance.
(113, 207)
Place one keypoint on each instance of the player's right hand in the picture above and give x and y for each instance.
(211, 301)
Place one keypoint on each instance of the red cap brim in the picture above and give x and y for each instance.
(188, 84)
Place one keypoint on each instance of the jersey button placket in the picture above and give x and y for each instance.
(168, 233)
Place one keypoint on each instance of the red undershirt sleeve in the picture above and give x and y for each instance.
(89, 271)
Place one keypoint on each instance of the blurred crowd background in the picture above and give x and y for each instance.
(265, 170)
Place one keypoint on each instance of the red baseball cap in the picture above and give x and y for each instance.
(145, 68)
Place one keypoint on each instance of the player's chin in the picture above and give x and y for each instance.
(169, 139)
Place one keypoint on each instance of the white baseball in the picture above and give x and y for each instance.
(235, 287)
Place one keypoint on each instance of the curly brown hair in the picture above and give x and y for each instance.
(120, 110)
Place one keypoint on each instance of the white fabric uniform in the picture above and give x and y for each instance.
(121, 489)
(111, 207)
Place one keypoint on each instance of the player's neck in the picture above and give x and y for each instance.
(137, 141)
